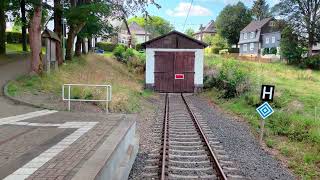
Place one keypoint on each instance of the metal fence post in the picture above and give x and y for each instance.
(69, 92)
(107, 100)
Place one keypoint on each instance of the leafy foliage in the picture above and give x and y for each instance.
(273, 50)
(106, 46)
(289, 45)
(265, 51)
(218, 43)
(303, 16)
(189, 32)
(229, 78)
(312, 62)
(231, 20)
(155, 25)
(260, 9)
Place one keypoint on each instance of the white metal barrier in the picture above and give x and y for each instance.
(107, 100)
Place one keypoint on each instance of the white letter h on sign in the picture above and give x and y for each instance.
(265, 92)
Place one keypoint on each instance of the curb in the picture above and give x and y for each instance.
(16, 100)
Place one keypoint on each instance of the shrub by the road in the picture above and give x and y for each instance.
(312, 62)
(233, 81)
(106, 46)
(131, 57)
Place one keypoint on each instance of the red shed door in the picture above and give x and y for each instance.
(174, 71)
(164, 71)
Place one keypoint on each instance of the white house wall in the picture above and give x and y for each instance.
(198, 64)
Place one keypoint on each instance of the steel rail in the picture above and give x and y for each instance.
(218, 169)
(165, 133)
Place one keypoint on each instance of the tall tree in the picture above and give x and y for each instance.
(189, 32)
(79, 14)
(231, 20)
(35, 37)
(24, 24)
(260, 9)
(58, 29)
(304, 17)
(3, 7)
(153, 24)
(289, 44)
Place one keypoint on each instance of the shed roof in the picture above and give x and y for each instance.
(255, 25)
(50, 34)
(190, 39)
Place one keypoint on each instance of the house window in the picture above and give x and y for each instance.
(273, 39)
(267, 40)
(252, 35)
(251, 46)
(245, 47)
(245, 36)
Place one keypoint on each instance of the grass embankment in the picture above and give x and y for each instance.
(294, 128)
(127, 87)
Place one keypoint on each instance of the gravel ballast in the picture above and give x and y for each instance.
(240, 144)
(152, 112)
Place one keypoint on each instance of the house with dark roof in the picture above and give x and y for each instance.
(209, 29)
(139, 35)
(260, 39)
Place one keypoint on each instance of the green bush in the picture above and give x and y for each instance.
(119, 51)
(233, 50)
(273, 50)
(312, 62)
(106, 46)
(231, 79)
(265, 51)
(139, 47)
(14, 37)
(128, 54)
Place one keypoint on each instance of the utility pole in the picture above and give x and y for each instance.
(145, 28)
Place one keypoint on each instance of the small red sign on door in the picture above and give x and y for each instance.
(179, 76)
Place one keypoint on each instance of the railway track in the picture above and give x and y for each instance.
(186, 151)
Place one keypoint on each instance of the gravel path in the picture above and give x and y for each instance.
(240, 144)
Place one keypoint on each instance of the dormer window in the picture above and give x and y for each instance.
(252, 35)
(245, 36)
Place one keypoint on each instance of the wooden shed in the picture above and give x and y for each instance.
(174, 63)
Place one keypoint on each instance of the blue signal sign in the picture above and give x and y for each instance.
(265, 110)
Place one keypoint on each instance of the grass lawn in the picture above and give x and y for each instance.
(294, 128)
(127, 87)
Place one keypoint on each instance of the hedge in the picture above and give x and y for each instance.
(106, 46)
(15, 37)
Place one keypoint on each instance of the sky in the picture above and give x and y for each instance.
(175, 11)
(201, 12)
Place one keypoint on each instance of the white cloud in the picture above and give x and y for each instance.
(246, 2)
(183, 7)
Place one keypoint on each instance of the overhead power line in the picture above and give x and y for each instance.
(187, 15)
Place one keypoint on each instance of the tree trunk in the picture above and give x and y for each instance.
(73, 31)
(58, 29)
(128, 31)
(90, 44)
(78, 46)
(84, 51)
(24, 25)
(35, 40)
(2, 28)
